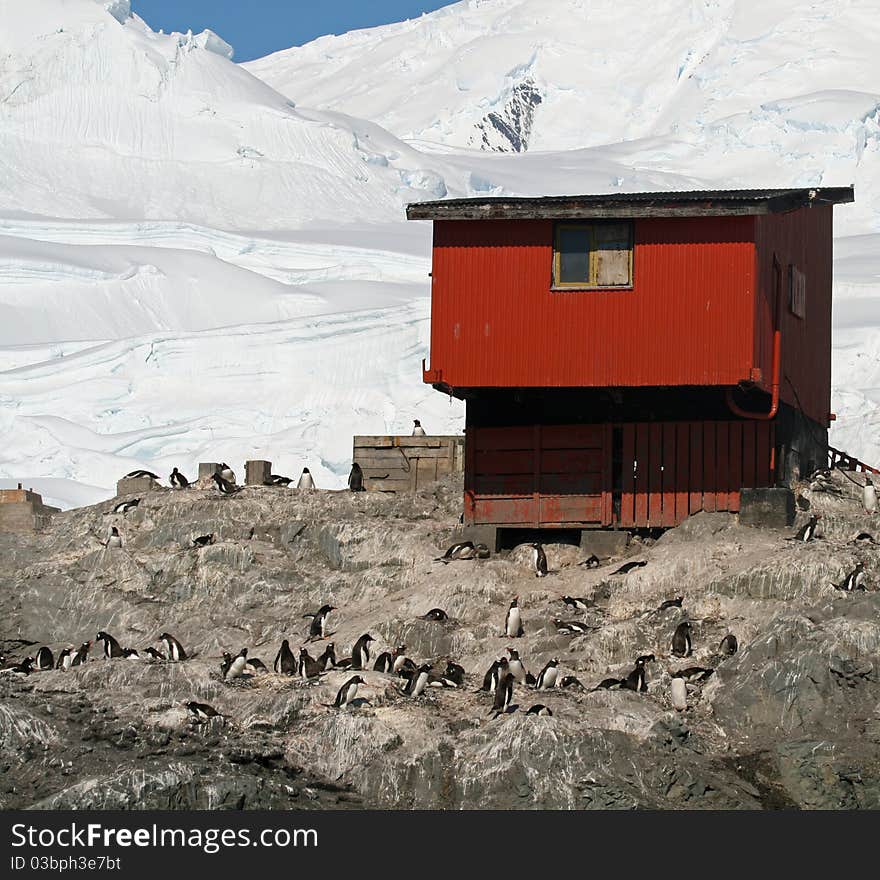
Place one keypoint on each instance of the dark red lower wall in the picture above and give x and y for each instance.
(641, 474)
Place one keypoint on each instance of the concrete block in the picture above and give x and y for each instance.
(208, 469)
(256, 472)
(604, 544)
(136, 485)
(767, 508)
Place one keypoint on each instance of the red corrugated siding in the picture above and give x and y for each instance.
(553, 476)
(802, 238)
(688, 320)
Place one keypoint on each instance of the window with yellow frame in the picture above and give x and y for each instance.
(592, 256)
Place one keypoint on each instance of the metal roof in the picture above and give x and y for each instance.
(693, 203)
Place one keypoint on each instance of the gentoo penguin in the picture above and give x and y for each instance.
(853, 581)
(513, 627)
(256, 666)
(44, 659)
(178, 480)
(681, 640)
(490, 679)
(539, 561)
(503, 695)
(539, 709)
(399, 655)
(592, 561)
(327, 660)
(203, 540)
(64, 659)
(308, 667)
(416, 685)
(694, 673)
(386, 661)
(112, 648)
(227, 473)
(407, 668)
(437, 614)
(608, 684)
(807, 531)
(547, 676)
(627, 567)
(729, 645)
(635, 681)
(360, 653)
(455, 673)
(153, 654)
(515, 666)
(125, 506)
(356, 478)
(131, 654)
(348, 692)
(865, 536)
(224, 486)
(318, 628)
(572, 627)
(278, 480)
(81, 655)
(461, 550)
(114, 539)
(134, 475)
(305, 480)
(26, 667)
(238, 665)
(173, 649)
(285, 662)
(203, 712)
(670, 603)
(571, 681)
(225, 663)
(577, 604)
(418, 430)
(869, 495)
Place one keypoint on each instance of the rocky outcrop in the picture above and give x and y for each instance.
(792, 720)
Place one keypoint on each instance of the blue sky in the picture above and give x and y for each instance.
(263, 26)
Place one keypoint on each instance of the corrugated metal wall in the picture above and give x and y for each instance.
(643, 474)
(687, 320)
(802, 239)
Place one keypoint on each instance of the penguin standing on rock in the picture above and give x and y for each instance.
(112, 648)
(636, 680)
(681, 640)
(387, 660)
(305, 480)
(308, 667)
(318, 627)
(547, 676)
(64, 659)
(539, 560)
(853, 581)
(515, 665)
(238, 665)
(173, 649)
(81, 655)
(503, 695)
(356, 478)
(360, 653)
(418, 430)
(227, 473)
(806, 532)
(44, 659)
(869, 495)
(347, 692)
(327, 660)
(285, 662)
(490, 679)
(513, 627)
(178, 480)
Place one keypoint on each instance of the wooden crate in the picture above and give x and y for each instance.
(404, 464)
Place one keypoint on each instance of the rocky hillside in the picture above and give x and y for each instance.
(791, 720)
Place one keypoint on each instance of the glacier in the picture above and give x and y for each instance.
(201, 260)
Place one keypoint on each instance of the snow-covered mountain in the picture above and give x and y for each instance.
(204, 260)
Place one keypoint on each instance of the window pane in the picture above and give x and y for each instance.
(573, 244)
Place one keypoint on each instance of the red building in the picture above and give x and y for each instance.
(630, 359)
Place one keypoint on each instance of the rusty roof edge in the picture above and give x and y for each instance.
(672, 203)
